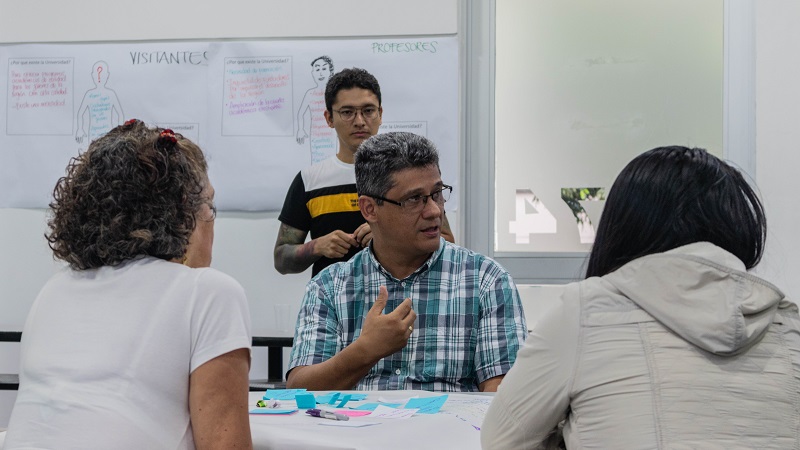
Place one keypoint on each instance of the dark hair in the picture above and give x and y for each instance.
(672, 196)
(134, 192)
(349, 79)
(382, 155)
(325, 58)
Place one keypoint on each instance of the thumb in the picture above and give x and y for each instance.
(380, 302)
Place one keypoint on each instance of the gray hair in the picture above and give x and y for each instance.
(382, 155)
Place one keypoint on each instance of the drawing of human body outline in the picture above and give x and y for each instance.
(102, 106)
(311, 122)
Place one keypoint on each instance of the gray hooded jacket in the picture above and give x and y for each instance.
(682, 349)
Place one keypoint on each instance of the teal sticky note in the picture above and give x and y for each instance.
(282, 394)
(305, 401)
(427, 405)
(345, 398)
(272, 411)
(325, 398)
(372, 406)
(334, 398)
(331, 397)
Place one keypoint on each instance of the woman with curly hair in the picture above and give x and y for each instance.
(137, 343)
(670, 341)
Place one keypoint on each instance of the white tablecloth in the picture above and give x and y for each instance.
(455, 426)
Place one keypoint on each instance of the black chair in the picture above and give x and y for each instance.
(275, 346)
(9, 381)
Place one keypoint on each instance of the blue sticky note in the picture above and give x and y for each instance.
(345, 398)
(372, 406)
(427, 405)
(272, 411)
(357, 397)
(305, 401)
(334, 398)
(282, 394)
(326, 398)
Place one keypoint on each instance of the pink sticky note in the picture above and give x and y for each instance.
(353, 412)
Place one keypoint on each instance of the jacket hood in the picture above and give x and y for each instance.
(703, 294)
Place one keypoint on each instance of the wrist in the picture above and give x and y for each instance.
(362, 348)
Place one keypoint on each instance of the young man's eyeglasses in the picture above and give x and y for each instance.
(415, 203)
(349, 114)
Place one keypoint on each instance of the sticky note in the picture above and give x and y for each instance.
(334, 398)
(345, 398)
(427, 405)
(282, 394)
(326, 398)
(353, 412)
(305, 401)
(372, 406)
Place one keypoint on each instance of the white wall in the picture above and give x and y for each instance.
(244, 241)
(777, 138)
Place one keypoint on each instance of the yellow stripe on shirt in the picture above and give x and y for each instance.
(334, 203)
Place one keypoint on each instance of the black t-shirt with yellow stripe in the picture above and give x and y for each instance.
(322, 199)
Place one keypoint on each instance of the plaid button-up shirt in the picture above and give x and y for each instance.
(469, 323)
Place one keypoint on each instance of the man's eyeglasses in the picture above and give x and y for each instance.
(415, 203)
(349, 114)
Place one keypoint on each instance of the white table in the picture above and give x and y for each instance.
(456, 426)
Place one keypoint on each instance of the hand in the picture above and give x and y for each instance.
(384, 334)
(334, 245)
(301, 136)
(363, 234)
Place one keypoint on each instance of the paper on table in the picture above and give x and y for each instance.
(427, 405)
(349, 424)
(383, 412)
(272, 411)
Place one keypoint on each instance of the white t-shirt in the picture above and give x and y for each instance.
(106, 354)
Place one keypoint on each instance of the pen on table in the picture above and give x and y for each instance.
(268, 404)
(326, 414)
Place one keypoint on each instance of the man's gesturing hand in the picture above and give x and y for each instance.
(385, 334)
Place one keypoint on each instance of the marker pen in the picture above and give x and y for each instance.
(326, 414)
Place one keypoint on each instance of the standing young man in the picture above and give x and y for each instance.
(323, 199)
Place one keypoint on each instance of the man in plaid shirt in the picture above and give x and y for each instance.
(411, 311)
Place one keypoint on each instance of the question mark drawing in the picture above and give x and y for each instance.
(99, 70)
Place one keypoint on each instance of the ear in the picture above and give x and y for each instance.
(367, 206)
(380, 115)
(328, 118)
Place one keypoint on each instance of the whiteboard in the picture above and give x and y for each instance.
(241, 101)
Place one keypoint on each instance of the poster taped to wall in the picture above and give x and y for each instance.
(255, 108)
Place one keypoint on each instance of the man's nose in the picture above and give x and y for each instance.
(431, 208)
(359, 118)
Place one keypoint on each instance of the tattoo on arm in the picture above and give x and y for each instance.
(292, 254)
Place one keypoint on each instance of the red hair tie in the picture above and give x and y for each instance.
(131, 122)
(168, 135)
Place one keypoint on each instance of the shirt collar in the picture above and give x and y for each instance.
(426, 266)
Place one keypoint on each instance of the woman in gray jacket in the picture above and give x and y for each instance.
(669, 342)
